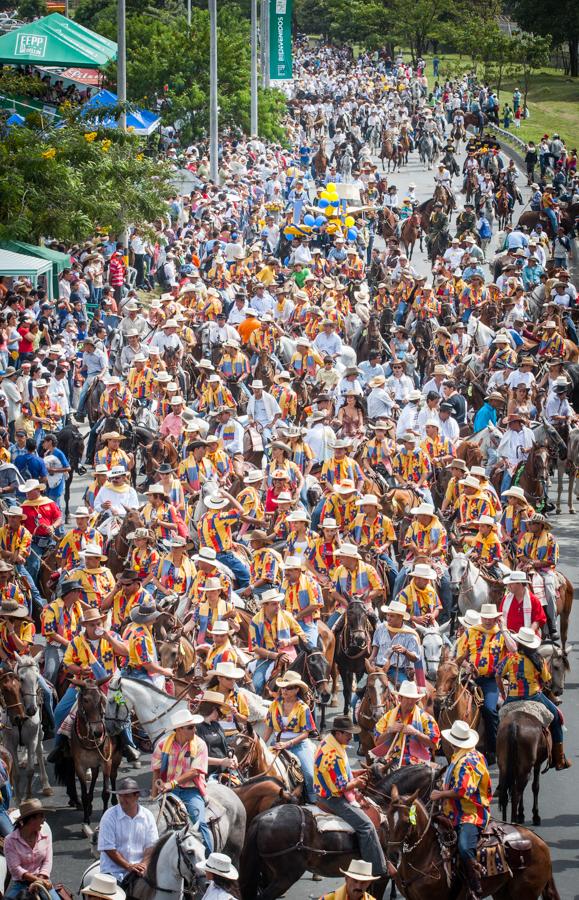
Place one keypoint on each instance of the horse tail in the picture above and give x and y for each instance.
(63, 771)
(507, 779)
(550, 891)
(250, 862)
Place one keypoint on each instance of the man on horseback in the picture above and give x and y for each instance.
(335, 785)
(358, 878)
(538, 552)
(126, 831)
(466, 796)
(406, 735)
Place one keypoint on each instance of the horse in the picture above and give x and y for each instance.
(454, 698)
(320, 163)
(93, 401)
(91, 747)
(469, 584)
(71, 442)
(443, 195)
(315, 668)
(568, 464)
(152, 706)
(504, 212)
(434, 638)
(264, 369)
(118, 550)
(411, 232)
(422, 869)
(20, 695)
(353, 645)
(522, 748)
(255, 758)
(377, 700)
(262, 792)
(534, 478)
(391, 152)
(427, 149)
(471, 185)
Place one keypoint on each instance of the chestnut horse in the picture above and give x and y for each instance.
(455, 698)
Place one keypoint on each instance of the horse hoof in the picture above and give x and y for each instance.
(334, 701)
(571, 511)
(47, 791)
(557, 512)
(536, 820)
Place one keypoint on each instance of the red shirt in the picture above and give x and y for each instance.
(38, 519)
(515, 618)
(25, 345)
(116, 270)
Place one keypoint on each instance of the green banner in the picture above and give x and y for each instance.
(280, 39)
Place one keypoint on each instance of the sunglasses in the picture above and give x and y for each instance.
(291, 687)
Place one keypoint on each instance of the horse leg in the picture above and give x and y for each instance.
(571, 485)
(334, 685)
(44, 781)
(536, 784)
(106, 792)
(347, 679)
(559, 486)
(283, 880)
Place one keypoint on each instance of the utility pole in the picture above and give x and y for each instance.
(189, 14)
(213, 108)
(254, 123)
(266, 44)
(122, 62)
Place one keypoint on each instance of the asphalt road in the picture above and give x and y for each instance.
(559, 800)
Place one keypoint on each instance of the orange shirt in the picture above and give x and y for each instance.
(246, 328)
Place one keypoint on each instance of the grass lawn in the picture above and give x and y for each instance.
(553, 101)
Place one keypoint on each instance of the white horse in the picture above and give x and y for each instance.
(468, 582)
(482, 336)
(26, 731)
(486, 439)
(434, 638)
(153, 707)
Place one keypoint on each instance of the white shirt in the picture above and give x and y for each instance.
(408, 420)
(516, 378)
(58, 391)
(216, 893)
(234, 445)
(328, 344)
(512, 445)
(450, 429)
(120, 501)
(236, 315)
(400, 387)
(128, 835)
(163, 341)
(320, 440)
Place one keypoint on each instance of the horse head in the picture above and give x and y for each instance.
(356, 631)
(446, 675)
(558, 662)
(91, 708)
(433, 640)
(318, 673)
(11, 696)
(403, 818)
(459, 566)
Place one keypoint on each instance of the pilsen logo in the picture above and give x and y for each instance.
(30, 45)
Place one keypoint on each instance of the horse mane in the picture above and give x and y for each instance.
(152, 854)
(261, 779)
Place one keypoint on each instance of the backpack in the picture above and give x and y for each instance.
(485, 230)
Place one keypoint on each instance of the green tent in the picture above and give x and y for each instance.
(56, 41)
(60, 261)
(14, 265)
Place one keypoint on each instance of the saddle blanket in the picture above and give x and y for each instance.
(326, 822)
(531, 707)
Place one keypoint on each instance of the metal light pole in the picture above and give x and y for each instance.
(122, 62)
(266, 44)
(189, 14)
(254, 126)
(262, 42)
(213, 108)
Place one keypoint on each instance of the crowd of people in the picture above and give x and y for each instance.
(286, 412)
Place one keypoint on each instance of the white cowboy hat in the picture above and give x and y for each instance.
(292, 562)
(470, 618)
(257, 384)
(489, 611)
(347, 486)
(396, 608)
(425, 509)
(409, 438)
(31, 485)
(421, 570)
(368, 500)
(271, 596)
(484, 520)
(219, 627)
(291, 679)
(329, 522)
(460, 735)
(216, 502)
(298, 515)
(218, 864)
(528, 638)
(478, 471)
(349, 550)
(102, 885)
(515, 492)
(253, 476)
(212, 584)
(283, 497)
(414, 396)
(206, 554)
(516, 578)
(227, 670)
(93, 550)
(360, 870)
(182, 717)
(470, 481)
(410, 690)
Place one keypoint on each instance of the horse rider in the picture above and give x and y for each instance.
(466, 798)
(406, 735)
(395, 646)
(126, 832)
(520, 607)
(524, 675)
(179, 766)
(335, 785)
(358, 877)
(537, 551)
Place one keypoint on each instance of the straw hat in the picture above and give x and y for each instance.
(424, 509)
(470, 481)
(32, 808)
(270, 596)
(396, 608)
(516, 492)
(212, 584)
(182, 717)
(348, 550)
(216, 502)
(460, 735)
(360, 870)
(368, 500)
(528, 638)
(489, 611)
(212, 697)
(227, 670)
(291, 679)
(516, 577)
(421, 570)
(219, 627)
(484, 520)
(346, 486)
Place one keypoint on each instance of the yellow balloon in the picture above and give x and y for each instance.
(332, 197)
(331, 188)
(332, 228)
(349, 221)
(324, 195)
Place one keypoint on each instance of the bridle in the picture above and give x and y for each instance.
(347, 630)
(23, 693)
(18, 702)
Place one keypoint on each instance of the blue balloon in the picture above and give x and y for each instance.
(323, 204)
(321, 220)
(352, 234)
(334, 202)
(309, 220)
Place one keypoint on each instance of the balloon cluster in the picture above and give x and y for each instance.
(329, 204)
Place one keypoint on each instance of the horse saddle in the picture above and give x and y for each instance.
(328, 822)
(531, 708)
(501, 848)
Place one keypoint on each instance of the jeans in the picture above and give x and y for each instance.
(317, 512)
(305, 754)
(18, 888)
(53, 656)
(64, 706)
(6, 825)
(37, 600)
(239, 569)
(312, 634)
(47, 699)
(467, 840)
(396, 676)
(490, 715)
(259, 674)
(195, 806)
(506, 482)
(553, 220)
(83, 392)
(571, 330)
(370, 849)
(392, 567)
(32, 564)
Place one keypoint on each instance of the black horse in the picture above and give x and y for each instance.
(284, 842)
(353, 645)
(71, 442)
(315, 670)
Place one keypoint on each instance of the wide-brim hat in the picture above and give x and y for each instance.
(516, 492)
(32, 807)
(291, 679)
(218, 864)
(360, 870)
(128, 786)
(348, 550)
(396, 608)
(410, 690)
(421, 570)
(516, 577)
(13, 610)
(470, 618)
(382, 424)
(93, 615)
(183, 717)
(227, 670)
(216, 502)
(344, 723)
(489, 611)
(145, 612)
(424, 509)
(457, 464)
(527, 637)
(460, 735)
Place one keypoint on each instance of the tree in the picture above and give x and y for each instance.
(557, 18)
(70, 181)
(528, 52)
(32, 9)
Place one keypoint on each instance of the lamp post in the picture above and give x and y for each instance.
(213, 107)
(254, 124)
(122, 62)
(189, 14)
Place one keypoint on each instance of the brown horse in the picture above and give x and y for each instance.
(387, 221)
(320, 162)
(522, 747)
(411, 232)
(455, 698)
(534, 479)
(504, 213)
(377, 700)
(471, 185)
(398, 503)
(261, 793)
(159, 451)
(264, 369)
(391, 152)
(90, 748)
(119, 549)
(422, 870)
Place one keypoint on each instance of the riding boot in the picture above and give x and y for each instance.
(561, 761)
(130, 752)
(473, 878)
(550, 626)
